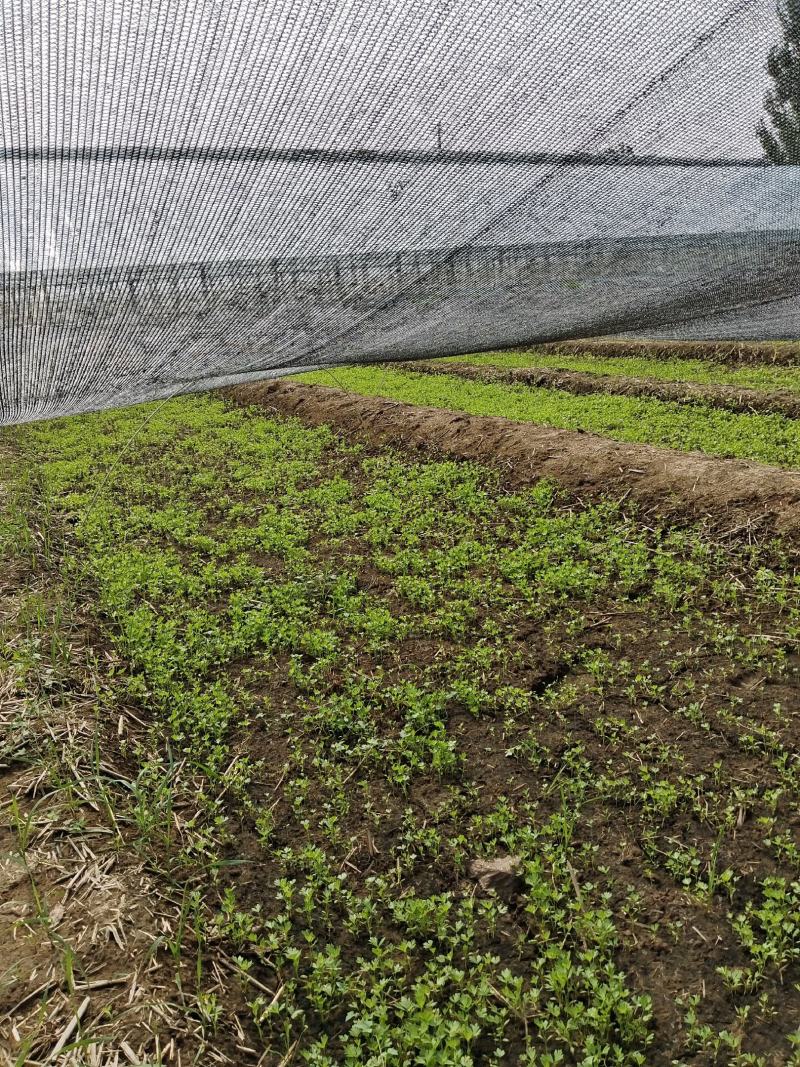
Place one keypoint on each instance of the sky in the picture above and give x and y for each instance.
(665, 77)
(500, 73)
(658, 77)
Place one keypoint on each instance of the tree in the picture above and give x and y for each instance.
(781, 140)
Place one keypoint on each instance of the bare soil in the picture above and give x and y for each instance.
(731, 494)
(728, 397)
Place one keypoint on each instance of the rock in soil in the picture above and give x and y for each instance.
(500, 874)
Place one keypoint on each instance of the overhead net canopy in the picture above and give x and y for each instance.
(200, 192)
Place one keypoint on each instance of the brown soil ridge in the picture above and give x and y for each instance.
(728, 397)
(733, 495)
(735, 353)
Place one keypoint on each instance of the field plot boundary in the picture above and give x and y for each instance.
(727, 397)
(732, 493)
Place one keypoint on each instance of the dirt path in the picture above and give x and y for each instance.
(733, 494)
(728, 397)
(734, 353)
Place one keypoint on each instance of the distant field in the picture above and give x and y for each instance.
(767, 438)
(675, 370)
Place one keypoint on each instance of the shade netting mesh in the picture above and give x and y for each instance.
(202, 192)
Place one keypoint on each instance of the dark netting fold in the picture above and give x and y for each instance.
(198, 192)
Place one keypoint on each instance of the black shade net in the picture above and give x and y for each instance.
(202, 192)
